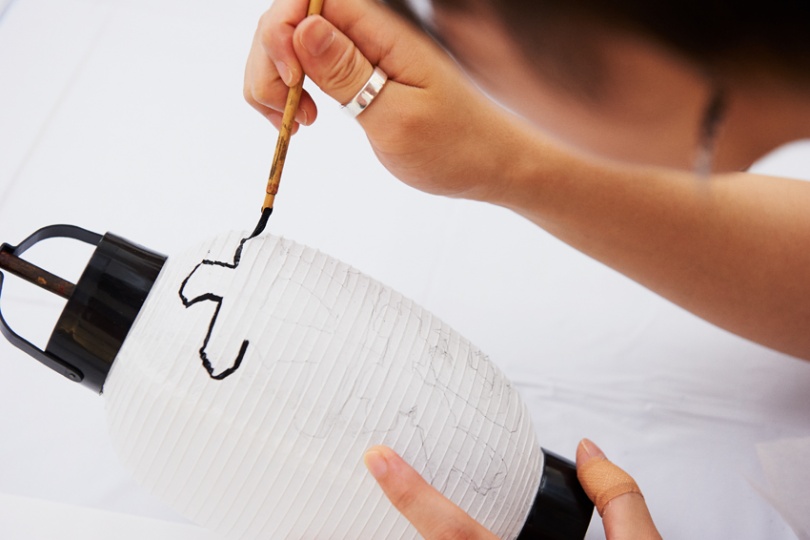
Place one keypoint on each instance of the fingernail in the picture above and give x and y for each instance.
(301, 117)
(284, 72)
(591, 449)
(318, 37)
(376, 464)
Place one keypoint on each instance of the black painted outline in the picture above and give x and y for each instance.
(237, 256)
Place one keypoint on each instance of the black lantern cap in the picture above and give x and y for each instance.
(100, 309)
(561, 509)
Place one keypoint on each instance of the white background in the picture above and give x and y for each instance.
(127, 116)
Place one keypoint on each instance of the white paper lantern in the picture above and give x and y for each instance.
(246, 387)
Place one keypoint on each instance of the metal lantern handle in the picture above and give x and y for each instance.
(10, 260)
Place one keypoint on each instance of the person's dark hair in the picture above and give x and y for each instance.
(721, 37)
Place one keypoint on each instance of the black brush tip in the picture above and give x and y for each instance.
(262, 222)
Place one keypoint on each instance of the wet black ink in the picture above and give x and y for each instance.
(237, 256)
(211, 297)
(260, 226)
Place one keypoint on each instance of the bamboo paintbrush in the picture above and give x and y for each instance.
(284, 133)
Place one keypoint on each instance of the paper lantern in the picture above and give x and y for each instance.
(245, 379)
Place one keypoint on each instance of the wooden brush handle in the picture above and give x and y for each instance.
(287, 122)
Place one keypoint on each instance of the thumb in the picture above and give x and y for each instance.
(331, 59)
(616, 495)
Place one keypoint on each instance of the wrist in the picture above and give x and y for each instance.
(522, 175)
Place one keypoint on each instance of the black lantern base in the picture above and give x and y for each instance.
(561, 509)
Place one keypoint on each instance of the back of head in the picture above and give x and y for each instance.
(722, 38)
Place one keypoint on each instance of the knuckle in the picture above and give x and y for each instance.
(269, 34)
(266, 23)
(346, 72)
(274, 36)
(261, 94)
(247, 93)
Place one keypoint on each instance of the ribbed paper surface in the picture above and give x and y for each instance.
(332, 363)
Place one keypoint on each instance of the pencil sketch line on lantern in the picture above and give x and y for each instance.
(352, 410)
(211, 297)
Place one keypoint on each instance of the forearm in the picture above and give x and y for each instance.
(734, 249)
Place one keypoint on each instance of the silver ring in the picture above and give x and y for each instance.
(364, 97)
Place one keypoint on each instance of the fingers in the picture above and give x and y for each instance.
(337, 51)
(265, 92)
(275, 32)
(331, 59)
(604, 479)
(272, 65)
(433, 515)
(615, 494)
